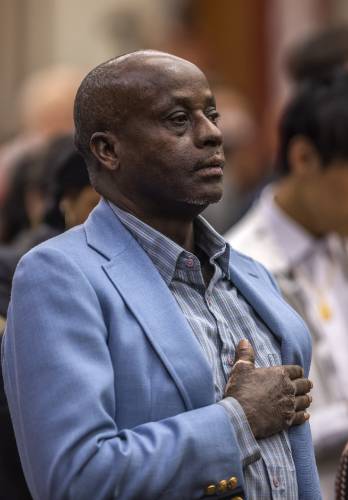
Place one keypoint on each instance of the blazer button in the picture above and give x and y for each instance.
(232, 483)
(221, 487)
(237, 498)
(210, 490)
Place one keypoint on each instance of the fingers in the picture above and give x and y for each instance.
(302, 386)
(244, 353)
(302, 402)
(300, 418)
(293, 371)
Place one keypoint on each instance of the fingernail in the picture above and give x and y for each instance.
(306, 416)
(311, 384)
(244, 344)
(310, 399)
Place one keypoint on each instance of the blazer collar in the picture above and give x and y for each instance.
(252, 281)
(104, 231)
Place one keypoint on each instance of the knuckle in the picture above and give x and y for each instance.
(290, 400)
(288, 414)
(289, 387)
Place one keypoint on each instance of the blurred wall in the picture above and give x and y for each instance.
(37, 33)
(288, 22)
(25, 41)
(339, 11)
(233, 34)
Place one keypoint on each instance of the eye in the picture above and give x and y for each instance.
(213, 116)
(179, 118)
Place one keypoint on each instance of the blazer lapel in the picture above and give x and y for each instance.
(139, 283)
(280, 318)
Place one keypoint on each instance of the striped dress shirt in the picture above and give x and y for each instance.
(220, 317)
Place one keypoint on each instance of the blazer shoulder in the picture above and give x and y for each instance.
(71, 243)
(65, 251)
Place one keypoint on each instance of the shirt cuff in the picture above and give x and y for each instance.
(250, 450)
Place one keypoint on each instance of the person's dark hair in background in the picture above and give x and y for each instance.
(71, 196)
(14, 216)
(50, 192)
(318, 113)
(318, 55)
(29, 190)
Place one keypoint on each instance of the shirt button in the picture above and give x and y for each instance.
(276, 482)
(189, 263)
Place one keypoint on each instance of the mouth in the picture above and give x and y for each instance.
(213, 166)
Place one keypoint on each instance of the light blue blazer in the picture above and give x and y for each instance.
(110, 393)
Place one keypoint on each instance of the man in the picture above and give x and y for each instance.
(298, 231)
(121, 333)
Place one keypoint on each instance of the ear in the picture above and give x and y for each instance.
(303, 157)
(104, 147)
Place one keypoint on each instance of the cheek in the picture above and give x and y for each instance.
(334, 205)
(168, 148)
(339, 193)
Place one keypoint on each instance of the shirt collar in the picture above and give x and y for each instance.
(165, 253)
(213, 244)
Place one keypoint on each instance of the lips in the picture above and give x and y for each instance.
(212, 166)
(213, 161)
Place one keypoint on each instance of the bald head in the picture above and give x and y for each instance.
(109, 93)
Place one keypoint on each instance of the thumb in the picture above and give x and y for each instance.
(244, 353)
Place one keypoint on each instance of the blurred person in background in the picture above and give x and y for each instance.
(298, 230)
(22, 206)
(71, 195)
(44, 110)
(45, 101)
(342, 476)
(318, 55)
(50, 191)
(315, 56)
(245, 171)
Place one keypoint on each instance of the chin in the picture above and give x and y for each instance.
(205, 199)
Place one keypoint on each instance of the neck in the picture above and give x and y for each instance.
(178, 230)
(288, 197)
(176, 226)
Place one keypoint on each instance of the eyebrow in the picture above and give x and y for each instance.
(209, 98)
(185, 100)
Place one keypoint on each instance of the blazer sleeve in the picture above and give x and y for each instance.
(60, 387)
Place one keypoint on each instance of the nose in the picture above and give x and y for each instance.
(207, 133)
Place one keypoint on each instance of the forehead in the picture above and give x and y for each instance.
(162, 81)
